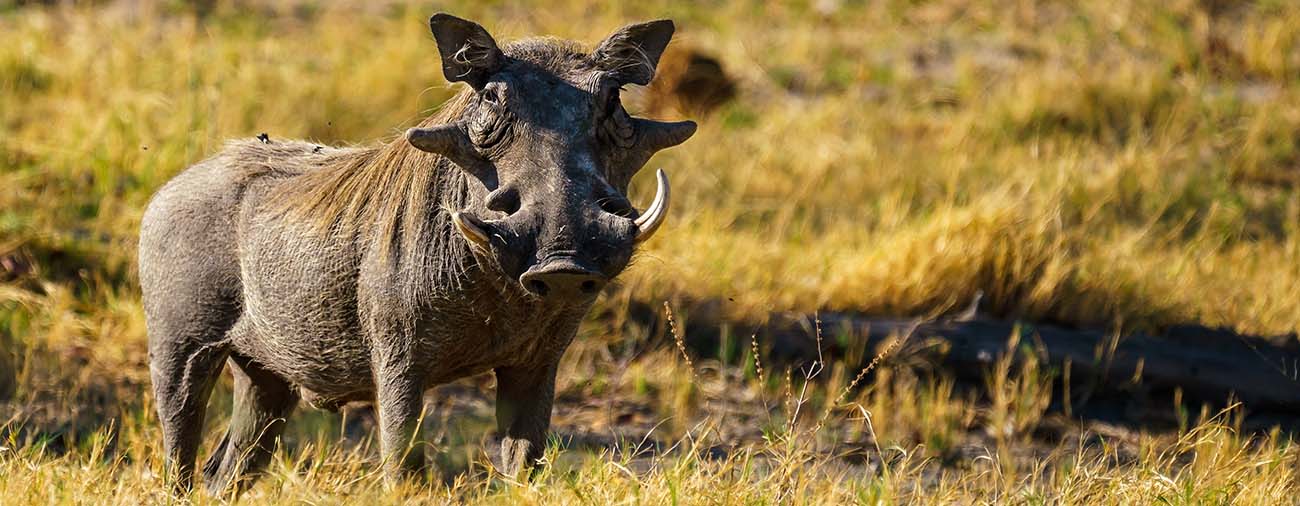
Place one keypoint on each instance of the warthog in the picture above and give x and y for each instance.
(477, 242)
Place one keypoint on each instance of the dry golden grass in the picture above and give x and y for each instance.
(1112, 163)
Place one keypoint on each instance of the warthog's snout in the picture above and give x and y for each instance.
(563, 277)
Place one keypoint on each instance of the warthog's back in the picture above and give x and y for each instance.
(190, 226)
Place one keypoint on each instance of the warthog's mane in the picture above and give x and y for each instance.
(386, 189)
(391, 196)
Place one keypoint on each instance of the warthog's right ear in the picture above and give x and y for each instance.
(468, 52)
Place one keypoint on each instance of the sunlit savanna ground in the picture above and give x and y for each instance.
(1114, 164)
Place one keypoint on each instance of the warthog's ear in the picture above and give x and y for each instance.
(468, 52)
(631, 54)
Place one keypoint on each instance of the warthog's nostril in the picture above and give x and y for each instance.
(616, 205)
(588, 286)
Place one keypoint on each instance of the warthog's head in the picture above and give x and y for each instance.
(546, 135)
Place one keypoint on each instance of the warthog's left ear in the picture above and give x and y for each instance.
(468, 52)
(631, 54)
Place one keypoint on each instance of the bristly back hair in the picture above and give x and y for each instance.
(392, 197)
(387, 187)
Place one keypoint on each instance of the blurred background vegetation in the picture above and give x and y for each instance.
(1116, 164)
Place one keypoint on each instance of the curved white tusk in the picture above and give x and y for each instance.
(658, 210)
(471, 229)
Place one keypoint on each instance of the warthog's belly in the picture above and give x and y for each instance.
(333, 401)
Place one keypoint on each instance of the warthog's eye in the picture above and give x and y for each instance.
(492, 120)
(616, 126)
(491, 96)
(613, 101)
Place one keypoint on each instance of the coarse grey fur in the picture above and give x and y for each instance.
(340, 275)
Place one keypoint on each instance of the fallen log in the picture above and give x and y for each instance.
(1208, 365)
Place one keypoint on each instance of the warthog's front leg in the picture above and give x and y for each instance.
(524, 397)
(399, 396)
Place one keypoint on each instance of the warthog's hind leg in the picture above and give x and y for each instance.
(183, 368)
(262, 401)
